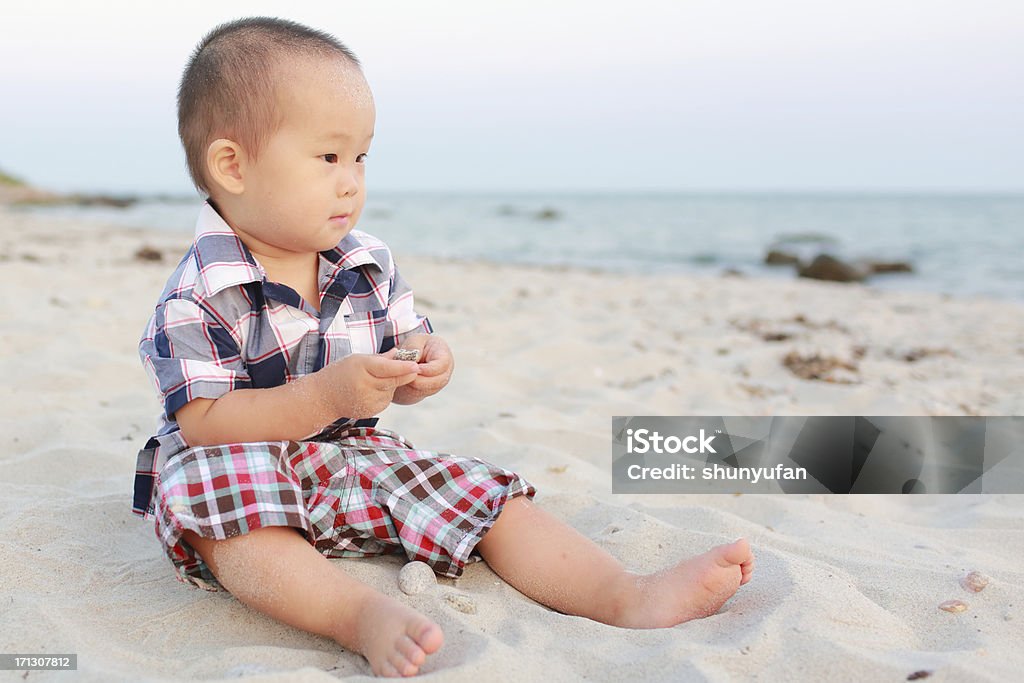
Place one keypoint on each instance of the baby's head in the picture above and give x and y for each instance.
(276, 120)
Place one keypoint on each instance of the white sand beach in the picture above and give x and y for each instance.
(846, 587)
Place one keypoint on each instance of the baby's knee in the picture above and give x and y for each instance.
(213, 551)
(207, 547)
(202, 546)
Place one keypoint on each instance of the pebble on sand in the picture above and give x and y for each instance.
(974, 582)
(461, 603)
(953, 606)
(415, 578)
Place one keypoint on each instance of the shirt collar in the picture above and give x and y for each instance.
(223, 260)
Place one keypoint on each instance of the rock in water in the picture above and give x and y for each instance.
(416, 578)
(890, 267)
(777, 257)
(825, 267)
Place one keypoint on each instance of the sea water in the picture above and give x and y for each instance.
(962, 245)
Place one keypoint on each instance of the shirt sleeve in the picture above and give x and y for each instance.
(402, 313)
(188, 354)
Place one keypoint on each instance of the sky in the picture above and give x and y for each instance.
(711, 95)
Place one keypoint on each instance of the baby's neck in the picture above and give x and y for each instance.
(300, 272)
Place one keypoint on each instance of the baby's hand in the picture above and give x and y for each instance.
(435, 364)
(362, 385)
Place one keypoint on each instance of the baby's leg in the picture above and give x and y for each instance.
(275, 571)
(557, 566)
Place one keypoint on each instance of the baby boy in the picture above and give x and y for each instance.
(273, 346)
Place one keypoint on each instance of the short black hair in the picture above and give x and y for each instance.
(230, 84)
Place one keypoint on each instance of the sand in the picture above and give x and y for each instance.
(846, 587)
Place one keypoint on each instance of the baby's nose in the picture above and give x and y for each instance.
(347, 182)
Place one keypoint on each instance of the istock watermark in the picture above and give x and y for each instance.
(817, 454)
(646, 440)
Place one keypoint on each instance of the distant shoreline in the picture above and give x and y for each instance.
(957, 245)
(29, 194)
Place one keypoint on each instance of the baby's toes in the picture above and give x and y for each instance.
(426, 636)
(747, 569)
(401, 665)
(411, 652)
(387, 670)
(736, 553)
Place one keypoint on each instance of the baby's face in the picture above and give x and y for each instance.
(306, 190)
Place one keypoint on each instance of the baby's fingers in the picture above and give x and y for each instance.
(429, 384)
(433, 368)
(406, 379)
(384, 366)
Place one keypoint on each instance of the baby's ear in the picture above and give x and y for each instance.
(224, 159)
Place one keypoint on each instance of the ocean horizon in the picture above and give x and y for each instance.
(960, 244)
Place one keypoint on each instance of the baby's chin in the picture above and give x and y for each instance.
(332, 241)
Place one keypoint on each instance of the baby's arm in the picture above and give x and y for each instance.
(436, 366)
(356, 386)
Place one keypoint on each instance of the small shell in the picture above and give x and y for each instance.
(953, 606)
(462, 603)
(416, 577)
(407, 354)
(974, 582)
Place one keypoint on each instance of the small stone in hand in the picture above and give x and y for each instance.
(407, 354)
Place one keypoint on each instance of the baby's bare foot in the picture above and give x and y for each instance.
(694, 588)
(394, 638)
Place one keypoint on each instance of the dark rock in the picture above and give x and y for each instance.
(148, 253)
(547, 214)
(798, 249)
(916, 354)
(49, 199)
(890, 267)
(817, 367)
(175, 198)
(102, 200)
(777, 257)
(825, 267)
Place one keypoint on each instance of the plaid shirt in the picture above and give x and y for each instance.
(221, 325)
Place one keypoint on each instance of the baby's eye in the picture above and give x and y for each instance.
(361, 158)
(330, 158)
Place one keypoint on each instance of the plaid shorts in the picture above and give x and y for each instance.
(365, 492)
